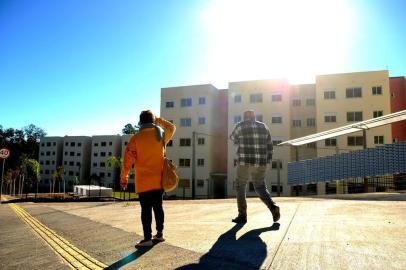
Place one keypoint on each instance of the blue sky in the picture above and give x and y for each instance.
(88, 67)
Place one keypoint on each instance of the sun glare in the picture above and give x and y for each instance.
(260, 39)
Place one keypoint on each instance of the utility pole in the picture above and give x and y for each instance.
(193, 164)
(278, 167)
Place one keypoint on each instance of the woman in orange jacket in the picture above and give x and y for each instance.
(145, 151)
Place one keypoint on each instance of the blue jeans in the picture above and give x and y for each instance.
(257, 175)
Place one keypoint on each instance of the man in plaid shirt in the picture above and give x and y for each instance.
(255, 149)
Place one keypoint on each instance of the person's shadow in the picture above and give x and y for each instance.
(248, 251)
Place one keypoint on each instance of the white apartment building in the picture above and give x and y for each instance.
(104, 147)
(50, 157)
(76, 158)
(270, 99)
(196, 112)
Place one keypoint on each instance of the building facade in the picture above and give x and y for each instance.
(398, 103)
(50, 158)
(104, 147)
(199, 137)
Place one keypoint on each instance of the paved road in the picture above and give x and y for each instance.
(365, 231)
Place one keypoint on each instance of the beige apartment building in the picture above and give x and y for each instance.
(104, 147)
(198, 147)
(348, 98)
(76, 158)
(271, 100)
(50, 157)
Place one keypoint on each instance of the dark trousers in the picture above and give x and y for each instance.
(151, 200)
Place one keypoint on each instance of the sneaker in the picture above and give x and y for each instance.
(239, 220)
(144, 243)
(275, 213)
(159, 237)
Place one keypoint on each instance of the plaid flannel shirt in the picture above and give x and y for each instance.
(254, 143)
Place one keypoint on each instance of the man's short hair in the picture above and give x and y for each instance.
(249, 115)
(146, 117)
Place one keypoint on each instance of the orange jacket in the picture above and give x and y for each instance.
(146, 153)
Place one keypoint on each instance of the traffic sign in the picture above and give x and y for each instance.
(4, 153)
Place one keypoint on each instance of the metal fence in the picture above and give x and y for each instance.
(369, 163)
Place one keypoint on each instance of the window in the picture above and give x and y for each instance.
(355, 141)
(42, 144)
(78, 164)
(184, 142)
(255, 98)
(378, 140)
(102, 154)
(200, 183)
(96, 144)
(125, 143)
(202, 100)
(66, 153)
(184, 162)
(79, 144)
(71, 163)
(108, 174)
(78, 154)
(53, 162)
(202, 120)
(378, 114)
(310, 102)
(237, 99)
(110, 154)
(170, 143)
(48, 143)
(259, 117)
(354, 116)
(377, 90)
(311, 122)
(200, 162)
(66, 143)
(330, 142)
(170, 104)
(353, 92)
(330, 118)
(296, 102)
(200, 141)
(186, 102)
(101, 174)
(110, 143)
(72, 144)
(185, 122)
(237, 119)
(275, 164)
(95, 154)
(53, 153)
(276, 120)
(47, 162)
(94, 164)
(102, 164)
(311, 145)
(72, 154)
(65, 163)
(46, 171)
(329, 94)
(297, 123)
(103, 144)
(48, 153)
(276, 97)
(276, 142)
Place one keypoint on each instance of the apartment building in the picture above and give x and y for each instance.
(104, 147)
(348, 98)
(76, 158)
(198, 112)
(270, 99)
(398, 103)
(50, 157)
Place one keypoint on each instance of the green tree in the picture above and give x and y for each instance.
(115, 163)
(58, 176)
(34, 168)
(129, 129)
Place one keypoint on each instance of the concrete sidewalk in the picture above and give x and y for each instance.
(364, 231)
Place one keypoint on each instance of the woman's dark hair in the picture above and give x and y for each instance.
(146, 117)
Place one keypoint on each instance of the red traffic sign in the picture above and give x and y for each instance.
(4, 153)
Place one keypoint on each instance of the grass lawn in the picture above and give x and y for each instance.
(133, 195)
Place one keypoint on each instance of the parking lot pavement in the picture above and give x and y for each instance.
(341, 232)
